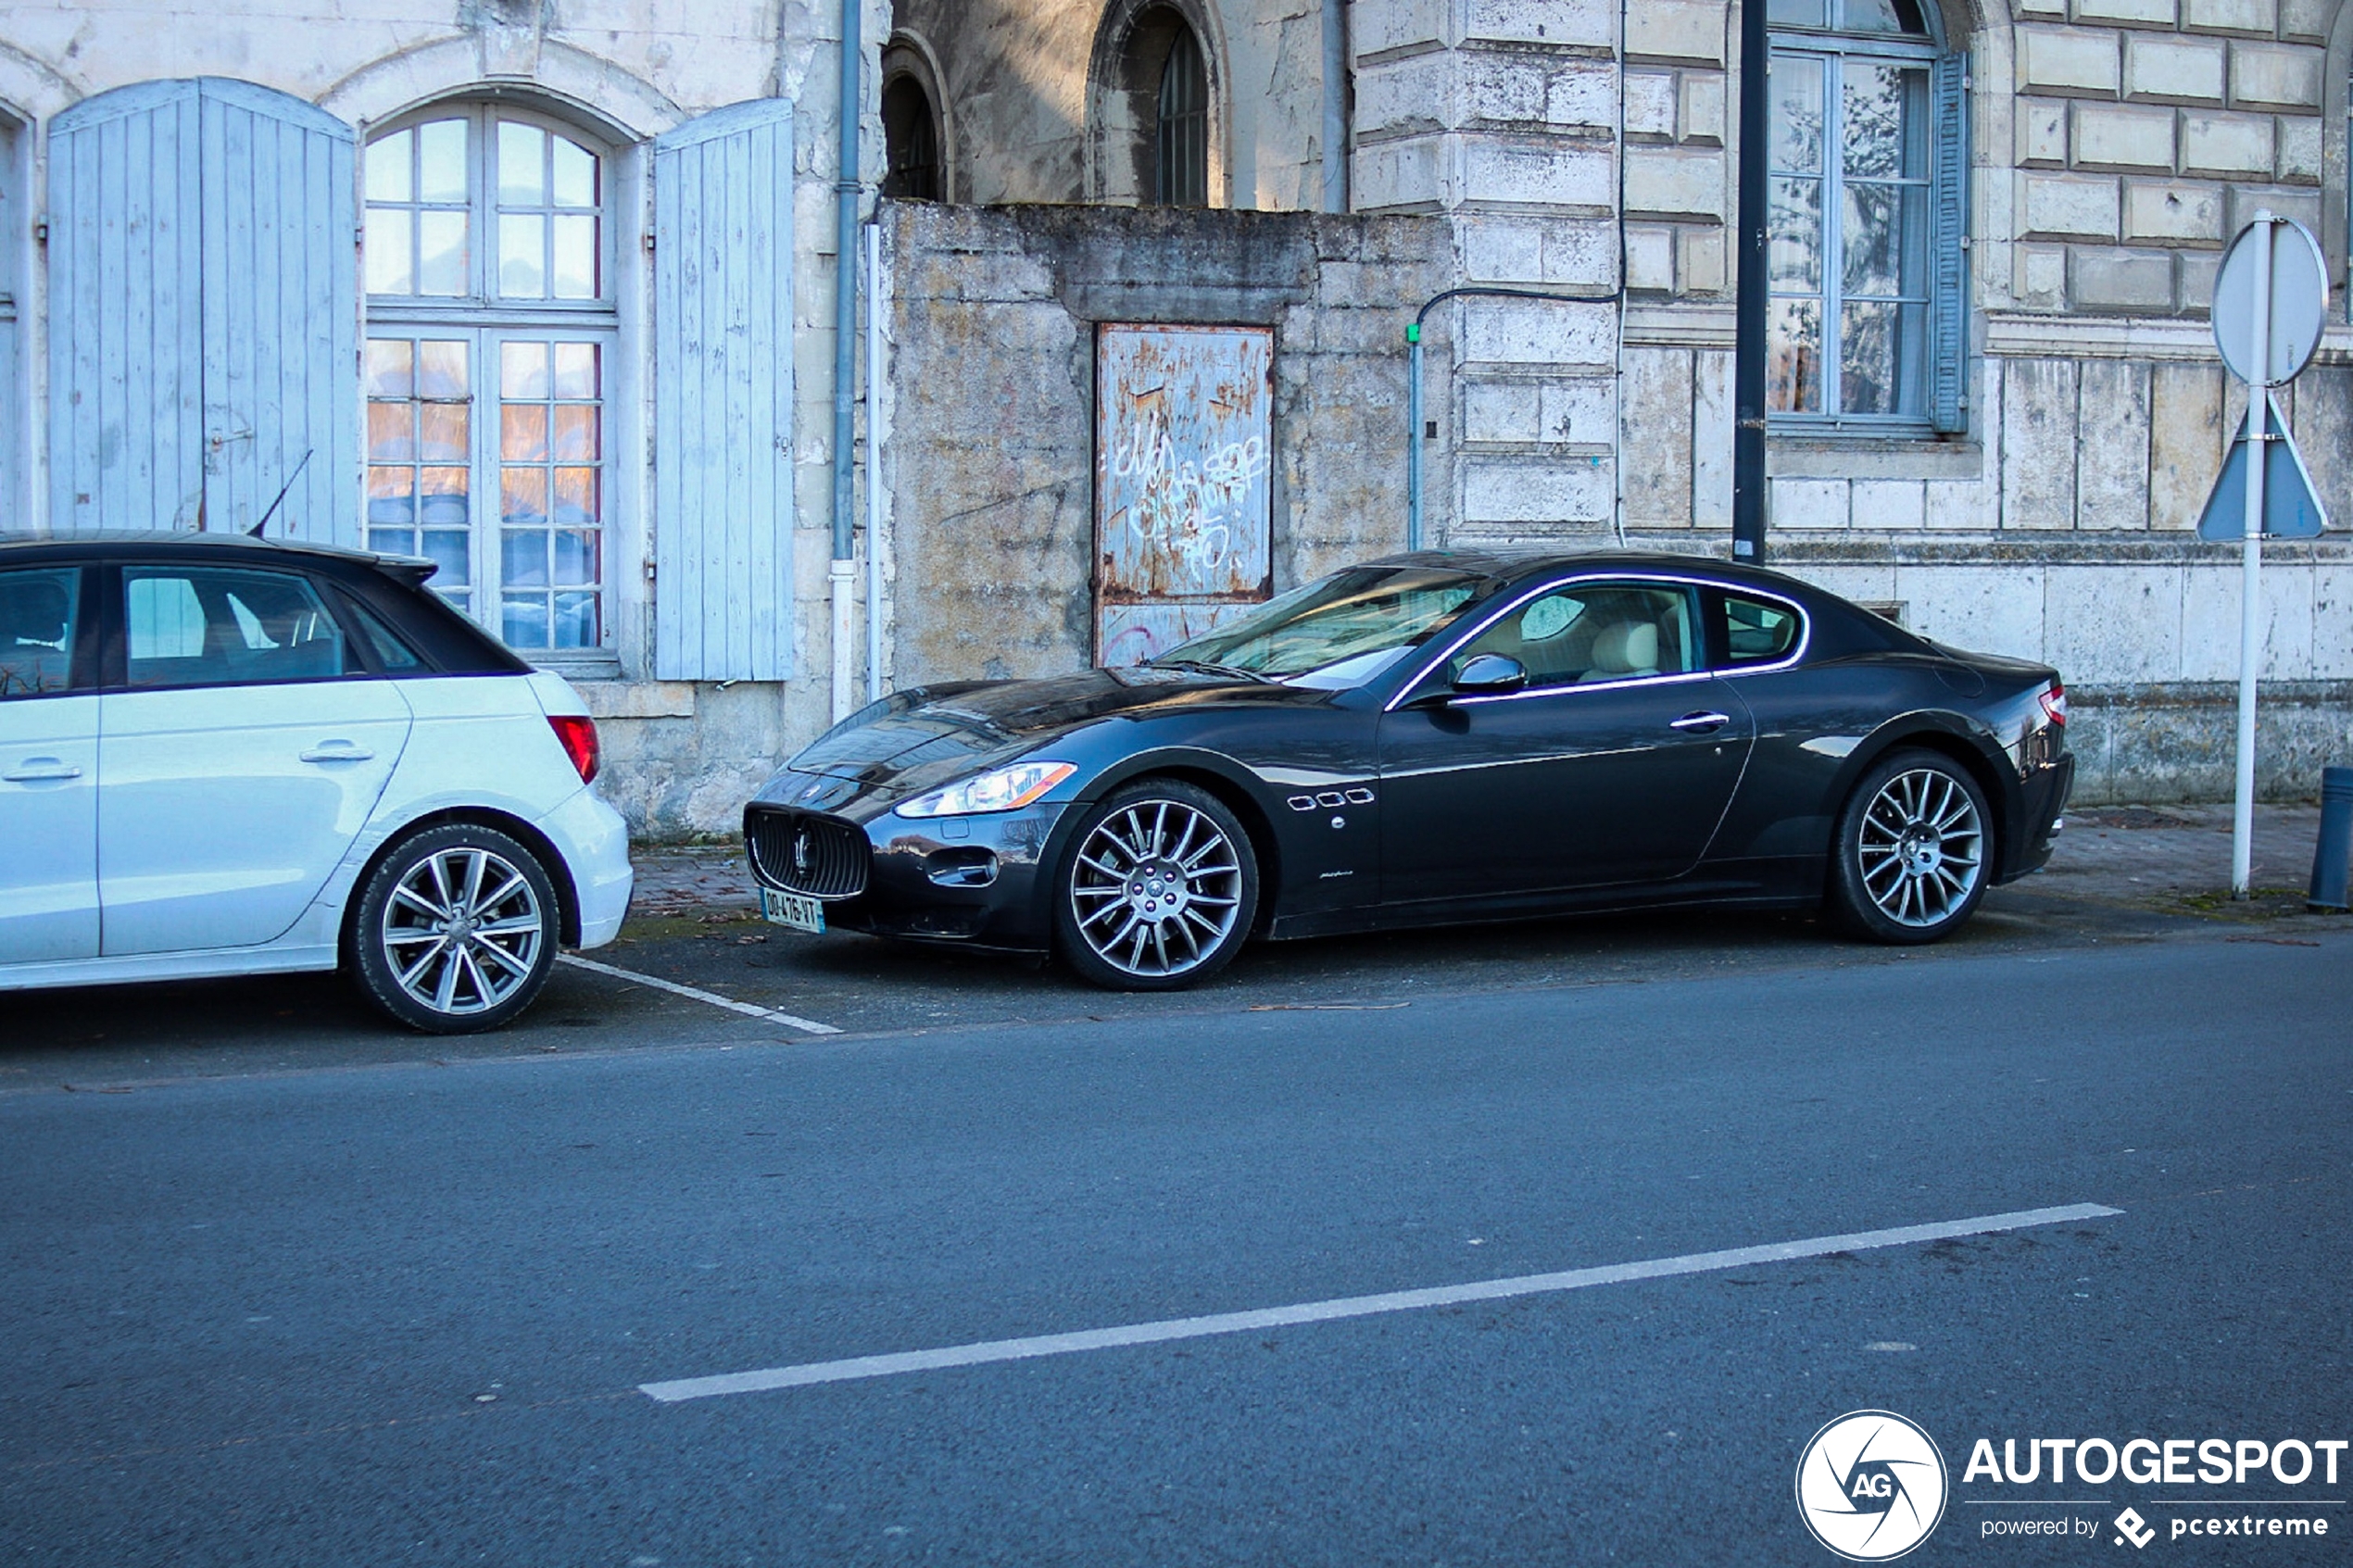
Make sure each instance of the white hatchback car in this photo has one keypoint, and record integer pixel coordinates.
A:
(227, 756)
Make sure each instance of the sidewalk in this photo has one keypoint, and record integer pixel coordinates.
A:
(2171, 859)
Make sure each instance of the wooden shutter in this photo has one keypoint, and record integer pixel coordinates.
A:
(1949, 258)
(723, 395)
(126, 357)
(203, 311)
(281, 314)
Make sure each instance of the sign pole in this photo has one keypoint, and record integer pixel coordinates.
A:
(2258, 396)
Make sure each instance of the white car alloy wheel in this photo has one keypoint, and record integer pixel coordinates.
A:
(1160, 890)
(463, 930)
(1914, 846)
(457, 929)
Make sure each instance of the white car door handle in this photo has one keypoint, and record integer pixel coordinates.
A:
(41, 769)
(338, 751)
(1701, 721)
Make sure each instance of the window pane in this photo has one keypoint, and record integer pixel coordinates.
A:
(443, 435)
(1793, 364)
(37, 612)
(575, 557)
(443, 499)
(576, 175)
(1883, 115)
(575, 257)
(575, 439)
(523, 255)
(575, 496)
(1883, 228)
(441, 370)
(1881, 358)
(447, 547)
(391, 436)
(1882, 15)
(576, 621)
(522, 165)
(524, 557)
(1795, 88)
(392, 367)
(522, 432)
(441, 161)
(388, 166)
(523, 496)
(392, 509)
(576, 371)
(524, 624)
(1795, 13)
(389, 246)
(1795, 252)
(441, 252)
(523, 370)
(1594, 632)
(1757, 632)
(207, 626)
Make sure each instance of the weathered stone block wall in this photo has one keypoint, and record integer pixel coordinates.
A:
(990, 456)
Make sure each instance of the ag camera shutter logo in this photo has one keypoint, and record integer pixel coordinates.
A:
(1871, 1486)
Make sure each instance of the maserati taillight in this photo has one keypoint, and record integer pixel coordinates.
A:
(2054, 697)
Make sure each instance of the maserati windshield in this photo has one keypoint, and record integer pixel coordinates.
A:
(1339, 631)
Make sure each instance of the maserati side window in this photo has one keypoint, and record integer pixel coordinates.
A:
(1590, 631)
(1757, 632)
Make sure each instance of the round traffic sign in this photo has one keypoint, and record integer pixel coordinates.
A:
(2298, 301)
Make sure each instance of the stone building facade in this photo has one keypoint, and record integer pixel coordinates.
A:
(581, 349)
(1997, 410)
(2032, 423)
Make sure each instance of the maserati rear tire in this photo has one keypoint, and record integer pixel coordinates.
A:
(1913, 849)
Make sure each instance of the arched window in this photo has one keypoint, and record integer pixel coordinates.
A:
(911, 139)
(1181, 169)
(491, 326)
(1866, 266)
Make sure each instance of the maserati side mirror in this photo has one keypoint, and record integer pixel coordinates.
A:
(1491, 672)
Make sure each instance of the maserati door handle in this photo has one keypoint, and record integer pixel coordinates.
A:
(338, 751)
(1701, 723)
(42, 770)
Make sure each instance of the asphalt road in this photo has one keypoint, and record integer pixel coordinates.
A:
(342, 1310)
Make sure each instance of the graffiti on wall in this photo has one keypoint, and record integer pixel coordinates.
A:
(1183, 504)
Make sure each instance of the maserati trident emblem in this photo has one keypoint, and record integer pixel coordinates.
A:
(800, 850)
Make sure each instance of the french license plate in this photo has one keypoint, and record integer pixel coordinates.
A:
(792, 909)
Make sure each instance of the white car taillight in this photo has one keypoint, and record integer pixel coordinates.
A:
(2054, 699)
(577, 734)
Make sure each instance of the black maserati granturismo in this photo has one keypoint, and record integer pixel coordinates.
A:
(1432, 738)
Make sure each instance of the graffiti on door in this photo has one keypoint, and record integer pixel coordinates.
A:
(1183, 507)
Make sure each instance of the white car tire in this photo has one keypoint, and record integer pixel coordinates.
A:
(454, 930)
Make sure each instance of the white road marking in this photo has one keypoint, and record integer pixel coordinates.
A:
(1351, 1305)
(806, 1025)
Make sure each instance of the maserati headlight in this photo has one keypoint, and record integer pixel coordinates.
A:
(999, 789)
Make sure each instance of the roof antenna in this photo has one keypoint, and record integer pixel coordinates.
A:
(255, 531)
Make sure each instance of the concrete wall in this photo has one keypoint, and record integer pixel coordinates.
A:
(990, 453)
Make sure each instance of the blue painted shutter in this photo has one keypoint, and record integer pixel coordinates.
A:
(281, 314)
(1948, 306)
(126, 361)
(203, 311)
(722, 395)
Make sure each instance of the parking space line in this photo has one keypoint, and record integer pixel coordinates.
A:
(1353, 1306)
(806, 1025)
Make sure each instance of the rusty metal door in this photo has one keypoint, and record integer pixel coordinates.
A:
(1184, 514)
